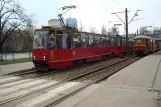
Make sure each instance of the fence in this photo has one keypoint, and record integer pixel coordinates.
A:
(14, 56)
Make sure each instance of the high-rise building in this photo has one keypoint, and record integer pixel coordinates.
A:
(72, 22)
(56, 22)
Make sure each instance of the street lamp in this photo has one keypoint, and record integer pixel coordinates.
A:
(117, 24)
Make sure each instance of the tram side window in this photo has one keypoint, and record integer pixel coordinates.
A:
(139, 42)
(123, 42)
(51, 43)
(119, 41)
(107, 41)
(103, 41)
(97, 41)
(112, 41)
(130, 43)
(115, 42)
(91, 41)
(76, 40)
(84, 40)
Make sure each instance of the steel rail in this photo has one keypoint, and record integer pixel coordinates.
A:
(60, 82)
(89, 84)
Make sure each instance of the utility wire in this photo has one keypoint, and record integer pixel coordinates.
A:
(117, 3)
(58, 2)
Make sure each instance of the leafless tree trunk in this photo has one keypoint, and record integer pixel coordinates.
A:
(104, 31)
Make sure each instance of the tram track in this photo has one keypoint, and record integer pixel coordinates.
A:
(105, 70)
(67, 74)
(20, 72)
(61, 82)
(33, 73)
(93, 82)
(61, 73)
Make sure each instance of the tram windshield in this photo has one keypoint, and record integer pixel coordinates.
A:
(139, 42)
(40, 39)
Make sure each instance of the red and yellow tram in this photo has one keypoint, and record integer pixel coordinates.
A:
(145, 45)
(57, 48)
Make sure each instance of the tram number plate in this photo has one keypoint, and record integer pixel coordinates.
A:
(98, 52)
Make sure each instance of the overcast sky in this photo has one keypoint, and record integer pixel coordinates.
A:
(95, 13)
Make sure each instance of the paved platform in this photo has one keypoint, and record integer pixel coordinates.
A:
(4, 69)
(127, 88)
(133, 86)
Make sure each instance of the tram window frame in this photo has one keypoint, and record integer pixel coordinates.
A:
(108, 41)
(84, 39)
(112, 41)
(115, 42)
(78, 45)
(44, 39)
(62, 42)
(142, 41)
(97, 40)
(91, 40)
(119, 39)
(102, 41)
(123, 42)
(49, 42)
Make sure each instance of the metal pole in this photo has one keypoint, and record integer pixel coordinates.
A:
(126, 18)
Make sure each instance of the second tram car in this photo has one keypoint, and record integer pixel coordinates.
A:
(145, 45)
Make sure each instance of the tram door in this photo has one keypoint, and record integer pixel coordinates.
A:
(146, 44)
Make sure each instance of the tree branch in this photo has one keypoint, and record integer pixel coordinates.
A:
(2, 5)
(6, 20)
(9, 11)
(10, 31)
(12, 17)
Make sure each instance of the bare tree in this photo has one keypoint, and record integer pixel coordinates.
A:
(113, 31)
(12, 17)
(104, 31)
(145, 31)
(156, 32)
(81, 28)
(92, 30)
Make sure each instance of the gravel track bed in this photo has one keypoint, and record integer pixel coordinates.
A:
(67, 74)
(32, 75)
(105, 72)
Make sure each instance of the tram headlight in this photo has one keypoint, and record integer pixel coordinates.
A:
(34, 57)
(44, 57)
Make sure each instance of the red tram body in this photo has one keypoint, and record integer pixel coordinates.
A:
(57, 48)
(66, 57)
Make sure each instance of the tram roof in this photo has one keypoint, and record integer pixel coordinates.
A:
(143, 37)
(158, 39)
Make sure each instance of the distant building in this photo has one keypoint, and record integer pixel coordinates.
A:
(56, 22)
(72, 22)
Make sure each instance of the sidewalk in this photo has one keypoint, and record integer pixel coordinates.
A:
(4, 69)
(127, 88)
